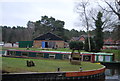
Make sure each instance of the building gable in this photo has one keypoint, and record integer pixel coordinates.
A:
(48, 36)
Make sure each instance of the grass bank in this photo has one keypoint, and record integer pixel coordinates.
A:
(39, 49)
(44, 65)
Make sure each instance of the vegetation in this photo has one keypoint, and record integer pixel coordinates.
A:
(15, 34)
(48, 25)
(77, 45)
(86, 46)
(43, 65)
(34, 29)
(99, 32)
(115, 8)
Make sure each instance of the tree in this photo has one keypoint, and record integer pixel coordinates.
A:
(86, 48)
(81, 8)
(99, 32)
(76, 45)
(74, 33)
(115, 8)
(15, 34)
(102, 22)
(47, 24)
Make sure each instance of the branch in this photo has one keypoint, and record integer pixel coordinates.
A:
(112, 8)
(104, 8)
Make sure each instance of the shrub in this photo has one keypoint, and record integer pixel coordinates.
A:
(77, 45)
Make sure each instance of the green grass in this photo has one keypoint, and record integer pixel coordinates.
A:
(38, 49)
(43, 65)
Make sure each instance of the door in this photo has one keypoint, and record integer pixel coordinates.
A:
(46, 44)
(43, 44)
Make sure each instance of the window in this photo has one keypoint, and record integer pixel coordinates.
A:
(51, 55)
(24, 54)
(40, 55)
(86, 58)
(66, 56)
(11, 52)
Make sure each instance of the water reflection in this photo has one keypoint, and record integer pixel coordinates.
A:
(112, 73)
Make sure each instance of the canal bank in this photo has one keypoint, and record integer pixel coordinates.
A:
(47, 76)
(112, 73)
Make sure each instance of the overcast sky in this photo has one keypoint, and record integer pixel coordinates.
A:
(19, 12)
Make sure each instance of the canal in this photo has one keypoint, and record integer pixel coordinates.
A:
(112, 73)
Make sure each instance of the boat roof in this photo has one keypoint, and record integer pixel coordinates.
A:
(61, 52)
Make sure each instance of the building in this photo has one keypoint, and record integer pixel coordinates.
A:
(111, 44)
(80, 38)
(48, 40)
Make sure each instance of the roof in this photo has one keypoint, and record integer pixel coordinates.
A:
(48, 36)
(111, 41)
(75, 38)
(80, 38)
(61, 52)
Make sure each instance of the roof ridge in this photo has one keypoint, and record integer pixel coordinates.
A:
(46, 35)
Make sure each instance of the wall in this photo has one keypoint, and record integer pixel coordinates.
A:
(38, 43)
(25, 44)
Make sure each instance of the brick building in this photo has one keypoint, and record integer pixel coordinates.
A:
(48, 40)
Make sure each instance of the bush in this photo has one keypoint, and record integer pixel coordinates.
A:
(77, 45)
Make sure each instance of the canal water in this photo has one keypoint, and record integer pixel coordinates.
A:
(112, 73)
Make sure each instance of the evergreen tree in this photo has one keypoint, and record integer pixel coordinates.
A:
(47, 24)
(99, 32)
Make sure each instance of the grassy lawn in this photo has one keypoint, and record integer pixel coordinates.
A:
(38, 49)
(43, 65)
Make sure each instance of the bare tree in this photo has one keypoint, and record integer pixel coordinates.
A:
(114, 8)
(108, 18)
(81, 9)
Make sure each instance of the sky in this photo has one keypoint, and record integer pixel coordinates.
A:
(19, 12)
